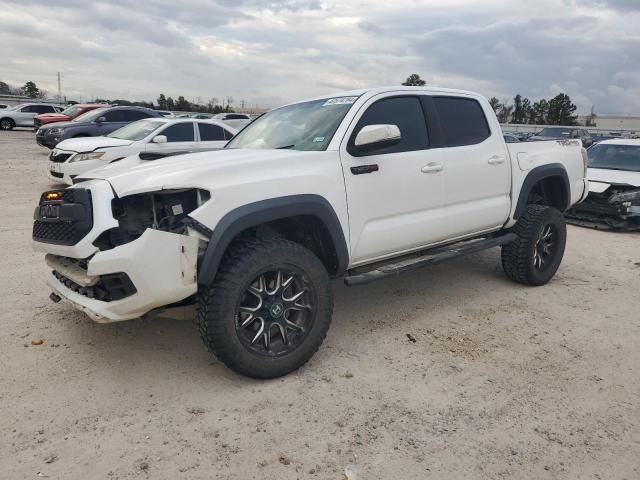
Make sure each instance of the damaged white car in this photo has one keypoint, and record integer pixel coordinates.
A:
(613, 202)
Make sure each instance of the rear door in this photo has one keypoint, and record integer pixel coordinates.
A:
(211, 137)
(476, 166)
(180, 139)
(395, 193)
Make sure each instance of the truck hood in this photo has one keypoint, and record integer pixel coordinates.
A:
(202, 170)
(89, 144)
(600, 179)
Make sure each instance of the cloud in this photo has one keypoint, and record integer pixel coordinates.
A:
(274, 51)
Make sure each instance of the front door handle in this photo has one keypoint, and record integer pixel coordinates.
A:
(496, 160)
(432, 167)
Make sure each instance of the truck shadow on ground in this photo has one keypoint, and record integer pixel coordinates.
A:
(167, 349)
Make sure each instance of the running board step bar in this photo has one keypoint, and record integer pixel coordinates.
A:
(429, 258)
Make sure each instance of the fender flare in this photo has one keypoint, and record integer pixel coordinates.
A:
(257, 213)
(540, 173)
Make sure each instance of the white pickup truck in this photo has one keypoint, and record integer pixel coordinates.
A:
(361, 185)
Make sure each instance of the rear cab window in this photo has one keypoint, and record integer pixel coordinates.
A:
(462, 121)
(210, 133)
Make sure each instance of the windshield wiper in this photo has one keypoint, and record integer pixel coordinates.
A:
(286, 147)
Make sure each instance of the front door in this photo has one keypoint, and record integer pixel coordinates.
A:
(395, 193)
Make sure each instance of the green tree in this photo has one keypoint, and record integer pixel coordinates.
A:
(30, 90)
(561, 110)
(540, 112)
(526, 108)
(183, 105)
(495, 104)
(170, 104)
(414, 80)
(505, 112)
(5, 89)
(518, 113)
(162, 102)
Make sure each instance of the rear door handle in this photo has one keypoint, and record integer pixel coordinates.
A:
(496, 160)
(432, 167)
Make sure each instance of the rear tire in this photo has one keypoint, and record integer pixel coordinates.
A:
(534, 257)
(7, 124)
(269, 308)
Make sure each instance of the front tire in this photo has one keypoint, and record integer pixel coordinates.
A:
(534, 257)
(7, 124)
(269, 308)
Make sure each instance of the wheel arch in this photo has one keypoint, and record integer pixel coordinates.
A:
(273, 213)
(553, 181)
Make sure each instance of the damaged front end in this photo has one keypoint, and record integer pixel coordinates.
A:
(121, 258)
(616, 207)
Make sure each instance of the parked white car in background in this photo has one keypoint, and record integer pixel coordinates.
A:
(236, 120)
(22, 115)
(155, 135)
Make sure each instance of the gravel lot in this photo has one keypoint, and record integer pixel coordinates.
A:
(448, 372)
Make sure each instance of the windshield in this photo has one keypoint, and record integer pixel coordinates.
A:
(137, 130)
(555, 132)
(615, 157)
(90, 116)
(307, 126)
(71, 111)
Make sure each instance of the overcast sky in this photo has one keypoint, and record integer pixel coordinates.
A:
(271, 52)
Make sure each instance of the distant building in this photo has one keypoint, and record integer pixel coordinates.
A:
(13, 100)
(617, 122)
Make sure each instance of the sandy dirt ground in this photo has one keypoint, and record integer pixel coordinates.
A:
(502, 381)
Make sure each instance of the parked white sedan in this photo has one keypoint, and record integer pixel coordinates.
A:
(74, 156)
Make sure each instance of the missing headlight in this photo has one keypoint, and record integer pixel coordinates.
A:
(166, 210)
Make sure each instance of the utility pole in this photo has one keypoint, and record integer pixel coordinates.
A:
(59, 88)
(242, 104)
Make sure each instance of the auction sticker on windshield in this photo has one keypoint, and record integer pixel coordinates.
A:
(340, 101)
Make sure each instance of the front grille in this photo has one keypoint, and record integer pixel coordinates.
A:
(65, 220)
(59, 158)
(57, 174)
(111, 287)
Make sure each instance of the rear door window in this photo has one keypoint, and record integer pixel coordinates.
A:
(210, 133)
(180, 132)
(462, 121)
(133, 115)
(115, 116)
(406, 113)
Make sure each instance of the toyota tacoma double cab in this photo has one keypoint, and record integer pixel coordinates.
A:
(361, 185)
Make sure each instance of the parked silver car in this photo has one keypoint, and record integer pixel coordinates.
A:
(22, 115)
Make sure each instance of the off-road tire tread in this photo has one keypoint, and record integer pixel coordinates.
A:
(239, 258)
(515, 256)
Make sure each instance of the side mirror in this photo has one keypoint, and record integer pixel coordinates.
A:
(378, 135)
(101, 119)
(159, 139)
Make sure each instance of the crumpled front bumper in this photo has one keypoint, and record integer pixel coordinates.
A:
(596, 212)
(162, 266)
